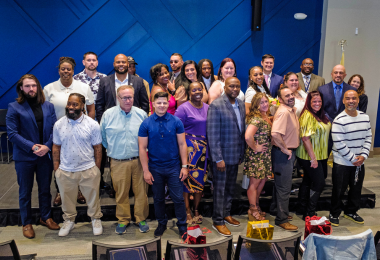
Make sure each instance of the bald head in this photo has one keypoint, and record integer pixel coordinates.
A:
(338, 74)
(120, 64)
(307, 66)
(232, 87)
(121, 56)
(351, 100)
(350, 93)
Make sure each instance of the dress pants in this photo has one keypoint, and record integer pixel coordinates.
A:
(123, 173)
(88, 182)
(283, 170)
(224, 191)
(314, 178)
(43, 167)
(342, 177)
(169, 176)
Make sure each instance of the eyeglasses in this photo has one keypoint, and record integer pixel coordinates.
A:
(125, 98)
(308, 64)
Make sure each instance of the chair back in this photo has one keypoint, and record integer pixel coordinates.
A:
(220, 250)
(3, 114)
(278, 249)
(149, 250)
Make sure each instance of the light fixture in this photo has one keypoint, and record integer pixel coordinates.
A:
(300, 16)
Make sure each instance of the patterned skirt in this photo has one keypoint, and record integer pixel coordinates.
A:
(197, 158)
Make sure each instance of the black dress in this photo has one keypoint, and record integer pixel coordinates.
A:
(363, 103)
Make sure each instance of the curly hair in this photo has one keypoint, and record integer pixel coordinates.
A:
(68, 60)
(155, 71)
(361, 87)
(255, 105)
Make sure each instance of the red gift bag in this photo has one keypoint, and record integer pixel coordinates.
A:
(322, 229)
(195, 235)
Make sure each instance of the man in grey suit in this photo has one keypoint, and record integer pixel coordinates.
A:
(225, 133)
(307, 80)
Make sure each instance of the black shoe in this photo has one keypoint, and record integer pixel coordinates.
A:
(183, 234)
(355, 218)
(104, 185)
(111, 193)
(334, 221)
(159, 230)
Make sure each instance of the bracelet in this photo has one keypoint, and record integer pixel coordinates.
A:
(313, 160)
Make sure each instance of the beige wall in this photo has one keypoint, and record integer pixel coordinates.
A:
(362, 53)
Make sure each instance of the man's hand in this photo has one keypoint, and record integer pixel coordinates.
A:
(288, 152)
(221, 166)
(171, 85)
(42, 149)
(184, 173)
(148, 177)
(359, 160)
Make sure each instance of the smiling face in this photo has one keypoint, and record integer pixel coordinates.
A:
(232, 87)
(287, 97)
(351, 100)
(307, 66)
(316, 103)
(29, 87)
(228, 70)
(355, 82)
(90, 62)
(206, 69)
(163, 78)
(190, 72)
(74, 107)
(267, 65)
(338, 74)
(264, 104)
(257, 76)
(161, 105)
(196, 92)
(120, 64)
(66, 71)
(292, 83)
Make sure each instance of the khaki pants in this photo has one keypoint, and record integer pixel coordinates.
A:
(122, 174)
(88, 182)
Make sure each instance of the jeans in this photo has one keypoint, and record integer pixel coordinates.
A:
(170, 176)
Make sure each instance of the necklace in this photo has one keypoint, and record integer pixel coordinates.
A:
(164, 88)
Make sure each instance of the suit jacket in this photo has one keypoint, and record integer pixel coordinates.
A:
(177, 81)
(329, 99)
(106, 97)
(225, 140)
(315, 82)
(275, 82)
(23, 132)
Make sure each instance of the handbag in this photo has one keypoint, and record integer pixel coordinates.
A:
(195, 235)
(318, 225)
(260, 230)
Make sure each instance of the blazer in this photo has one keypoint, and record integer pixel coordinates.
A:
(315, 82)
(225, 140)
(23, 132)
(177, 81)
(275, 82)
(329, 99)
(106, 97)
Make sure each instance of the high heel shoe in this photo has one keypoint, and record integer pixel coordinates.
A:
(190, 222)
(198, 219)
(262, 213)
(254, 214)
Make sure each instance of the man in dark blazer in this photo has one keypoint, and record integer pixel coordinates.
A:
(106, 97)
(226, 141)
(273, 81)
(306, 77)
(30, 122)
(333, 93)
(176, 62)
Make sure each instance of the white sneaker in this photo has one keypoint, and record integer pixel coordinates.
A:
(66, 228)
(97, 227)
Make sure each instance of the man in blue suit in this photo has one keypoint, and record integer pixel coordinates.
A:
(30, 122)
(272, 80)
(333, 93)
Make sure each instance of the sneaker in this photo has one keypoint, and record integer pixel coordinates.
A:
(159, 230)
(97, 227)
(355, 218)
(183, 234)
(334, 221)
(143, 227)
(121, 229)
(66, 228)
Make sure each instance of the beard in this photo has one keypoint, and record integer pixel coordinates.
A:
(28, 96)
(74, 115)
(121, 72)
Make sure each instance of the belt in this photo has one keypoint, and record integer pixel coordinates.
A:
(129, 159)
(278, 148)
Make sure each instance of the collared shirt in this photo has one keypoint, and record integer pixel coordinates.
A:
(162, 139)
(175, 75)
(120, 132)
(285, 122)
(335, 87)
(207, 82)
(118, 84)
(237, 112)
(57, 94)
(77, 138)
(269, 80)
(337, 102)
(304, 77)
(93, 83)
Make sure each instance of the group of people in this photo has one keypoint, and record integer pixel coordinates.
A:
(192, 123)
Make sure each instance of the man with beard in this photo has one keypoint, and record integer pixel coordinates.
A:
(30, 123)
(225, 134)
(307, 80)
(285, 134)
(77, 155)
(352, 136)
(176, 62)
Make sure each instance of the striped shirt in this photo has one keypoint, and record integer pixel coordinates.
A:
(352, 137)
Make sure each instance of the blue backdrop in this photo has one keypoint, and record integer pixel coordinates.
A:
(36, 33)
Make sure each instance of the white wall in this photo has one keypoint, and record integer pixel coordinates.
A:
(362, 53)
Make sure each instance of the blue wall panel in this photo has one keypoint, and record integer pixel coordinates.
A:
(37, 33)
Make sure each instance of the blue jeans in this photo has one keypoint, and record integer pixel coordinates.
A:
(43, 167)
(171, 177)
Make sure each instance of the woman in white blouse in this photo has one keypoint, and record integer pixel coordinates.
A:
(256, 84)
(291, 81)
(58, 91)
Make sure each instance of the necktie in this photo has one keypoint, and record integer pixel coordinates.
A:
(338, 95)
(307, 83)
(266, 80)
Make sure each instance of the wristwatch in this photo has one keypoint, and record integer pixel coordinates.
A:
(184, 166)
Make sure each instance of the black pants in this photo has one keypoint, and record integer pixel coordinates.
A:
(314, 178)
(342, 177)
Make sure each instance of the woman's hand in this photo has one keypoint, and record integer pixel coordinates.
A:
(260, 148)
(314, 164)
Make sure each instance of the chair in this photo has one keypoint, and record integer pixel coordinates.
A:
(9, 251)
(3, 114)
(276, 249)
(149, 250)
(219, 250)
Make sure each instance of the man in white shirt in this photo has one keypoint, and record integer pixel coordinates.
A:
(272, 80)
(307, 80)
(77, 155)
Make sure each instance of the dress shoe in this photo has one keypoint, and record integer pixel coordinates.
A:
(287, 226)
(111, 193)
(222, 230)
(50, 224)
(57, 200)
(290, 218)
(231, 221)
(28, 231)
(80, 198)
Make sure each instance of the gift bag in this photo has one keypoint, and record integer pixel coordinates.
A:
(245, 182)
(260, 230)
(195, 235)
(318, 225)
